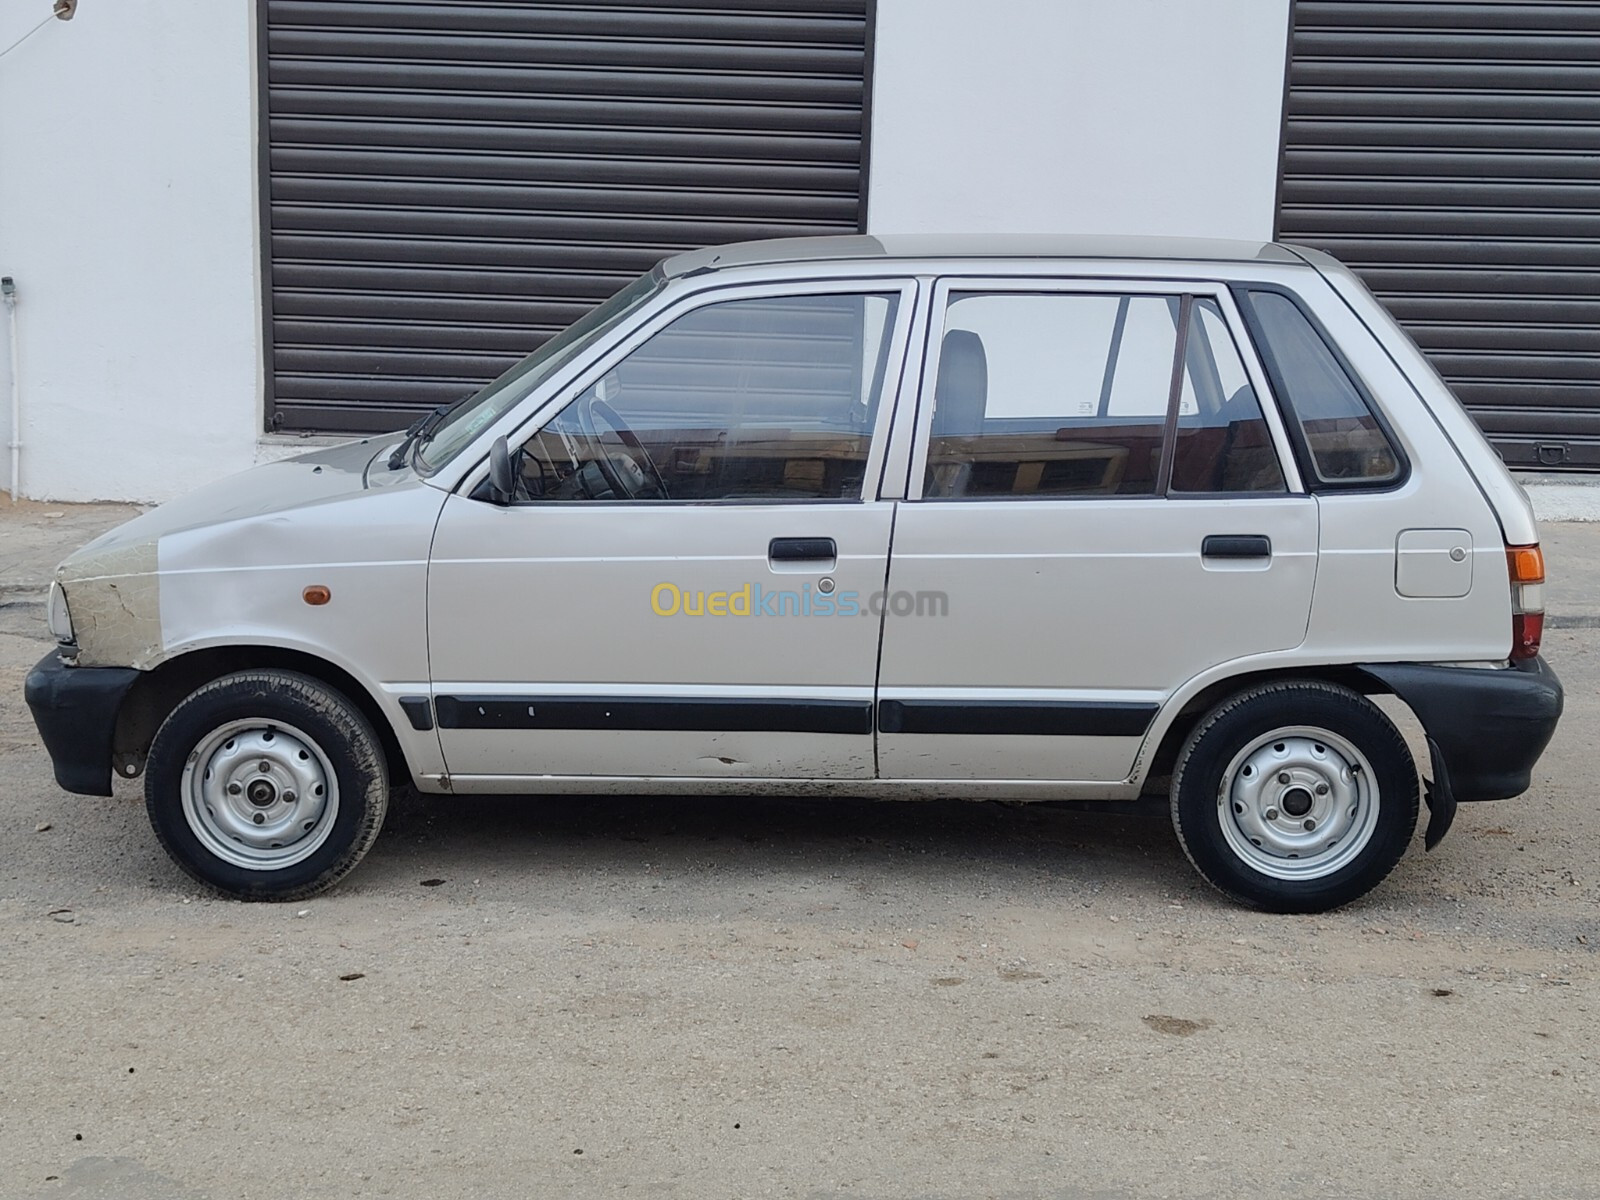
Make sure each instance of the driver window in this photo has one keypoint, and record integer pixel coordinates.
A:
(763, 400)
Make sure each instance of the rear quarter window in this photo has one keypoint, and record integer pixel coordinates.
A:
(1336, 430)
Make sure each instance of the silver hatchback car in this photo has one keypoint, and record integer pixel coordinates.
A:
(1030, 519)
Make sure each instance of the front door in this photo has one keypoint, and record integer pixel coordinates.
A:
(1103, 513)
(674, 590)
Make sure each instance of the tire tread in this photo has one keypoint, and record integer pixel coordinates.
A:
(1318, 896)
(360, 742)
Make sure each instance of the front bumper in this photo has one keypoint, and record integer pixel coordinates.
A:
(75, 709)
(1486, 728)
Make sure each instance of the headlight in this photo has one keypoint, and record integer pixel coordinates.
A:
(60, 618)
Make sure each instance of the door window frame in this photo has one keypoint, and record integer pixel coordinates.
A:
(553, 397)
(920, 423)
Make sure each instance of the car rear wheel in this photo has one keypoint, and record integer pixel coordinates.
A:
(1295, 796)
(266, 785)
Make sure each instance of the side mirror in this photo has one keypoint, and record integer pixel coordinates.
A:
(502, 481)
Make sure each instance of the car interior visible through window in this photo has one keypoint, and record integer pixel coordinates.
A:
(754, 400)
(1068, 394)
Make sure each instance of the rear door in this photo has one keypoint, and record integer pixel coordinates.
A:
(1099, 509)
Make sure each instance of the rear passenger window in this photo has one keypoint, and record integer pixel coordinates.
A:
(1335, 426)
(1223, 444)
(1061, 394)
(1029, 399)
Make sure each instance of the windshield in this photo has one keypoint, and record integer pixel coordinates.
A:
(495, 399)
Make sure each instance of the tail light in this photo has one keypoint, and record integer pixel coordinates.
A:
(1526, 565)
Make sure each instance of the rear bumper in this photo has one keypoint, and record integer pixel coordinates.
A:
(1487, 727)
(75, 709)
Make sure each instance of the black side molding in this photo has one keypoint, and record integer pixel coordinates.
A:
(418, 711)
(1065, 718)
(732, 715)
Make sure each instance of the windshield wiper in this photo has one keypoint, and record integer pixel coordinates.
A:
(418, 432)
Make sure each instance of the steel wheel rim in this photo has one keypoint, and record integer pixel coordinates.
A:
(260, 794)
(1298, 803)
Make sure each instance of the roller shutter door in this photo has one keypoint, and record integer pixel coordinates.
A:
(1450, 153)
(449, 183)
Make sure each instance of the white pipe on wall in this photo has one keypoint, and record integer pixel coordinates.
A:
(9, 288)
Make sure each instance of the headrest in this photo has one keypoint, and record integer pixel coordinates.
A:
(961, 392)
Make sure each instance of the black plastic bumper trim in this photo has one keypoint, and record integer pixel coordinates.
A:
(1488, 727)
(1027, 718)
(733, 715)
(75, 709)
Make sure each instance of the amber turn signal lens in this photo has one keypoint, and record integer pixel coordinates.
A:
(316, 594)
(1527, 564)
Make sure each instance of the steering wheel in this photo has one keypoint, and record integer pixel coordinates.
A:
(625, 477)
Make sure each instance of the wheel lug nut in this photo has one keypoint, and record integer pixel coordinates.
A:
(266, 767)
(288, 797)
(1322, 789)
(234, 789)
(259, 819)
(1272, 814)
(1310, 825)
(1283, 777)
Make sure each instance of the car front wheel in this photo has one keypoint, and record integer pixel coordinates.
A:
(1295, 796)
(266, 785)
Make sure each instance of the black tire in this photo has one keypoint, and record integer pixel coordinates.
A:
(1295, 797)
(303, 768)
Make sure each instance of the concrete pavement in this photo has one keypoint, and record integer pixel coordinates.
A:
(35, 536)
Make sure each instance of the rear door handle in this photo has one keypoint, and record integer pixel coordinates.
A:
(802, 550)
(1236, 545)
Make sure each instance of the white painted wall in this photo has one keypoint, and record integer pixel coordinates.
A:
(127, 216)
(1077, 116)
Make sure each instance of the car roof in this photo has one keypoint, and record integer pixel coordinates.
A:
(923, 246)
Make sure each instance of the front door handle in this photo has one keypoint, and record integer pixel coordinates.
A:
(802, 550)
(1236, 545)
